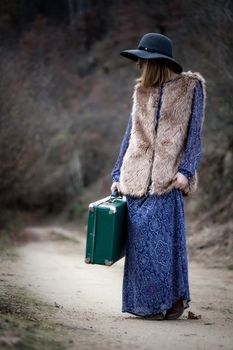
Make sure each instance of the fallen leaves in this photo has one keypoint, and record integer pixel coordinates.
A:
(192, 316)
(57, 305)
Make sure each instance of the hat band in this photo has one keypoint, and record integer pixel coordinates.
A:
(152, 50)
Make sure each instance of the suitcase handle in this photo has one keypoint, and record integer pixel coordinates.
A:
(115, 194)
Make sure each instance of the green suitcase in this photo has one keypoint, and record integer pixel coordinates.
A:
(106, 230)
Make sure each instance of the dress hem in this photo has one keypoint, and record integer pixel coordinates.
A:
(185, 303)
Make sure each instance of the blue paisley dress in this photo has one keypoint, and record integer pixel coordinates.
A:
(156, 263)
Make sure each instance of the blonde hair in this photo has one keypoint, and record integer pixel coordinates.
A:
(153, 72)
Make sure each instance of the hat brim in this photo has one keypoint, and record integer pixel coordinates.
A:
(136, 54)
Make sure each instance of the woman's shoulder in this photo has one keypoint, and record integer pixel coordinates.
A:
(199, 84)
(197, 76)
(140, 92)
(195, 80)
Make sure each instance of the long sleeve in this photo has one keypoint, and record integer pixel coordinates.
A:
(115, 174)
(192, 150)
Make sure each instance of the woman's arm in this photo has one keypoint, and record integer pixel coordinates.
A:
(192, 151)
(115, 174)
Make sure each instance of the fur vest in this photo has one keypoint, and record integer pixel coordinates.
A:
(155, 154)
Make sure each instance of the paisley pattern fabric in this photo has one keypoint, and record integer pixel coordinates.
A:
(156, 263)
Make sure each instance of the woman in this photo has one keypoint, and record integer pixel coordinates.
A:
(157, 166)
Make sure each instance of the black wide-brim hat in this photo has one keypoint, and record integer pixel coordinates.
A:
(154, 46)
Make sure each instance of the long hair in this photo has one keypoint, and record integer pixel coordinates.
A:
(154, 72)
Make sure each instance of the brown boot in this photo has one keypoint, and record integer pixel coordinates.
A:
(175, 311)
(158, 317)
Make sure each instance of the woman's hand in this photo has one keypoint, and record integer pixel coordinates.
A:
(115, 186)
(180, 181)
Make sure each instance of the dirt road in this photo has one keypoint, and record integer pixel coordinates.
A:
(88, 299)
